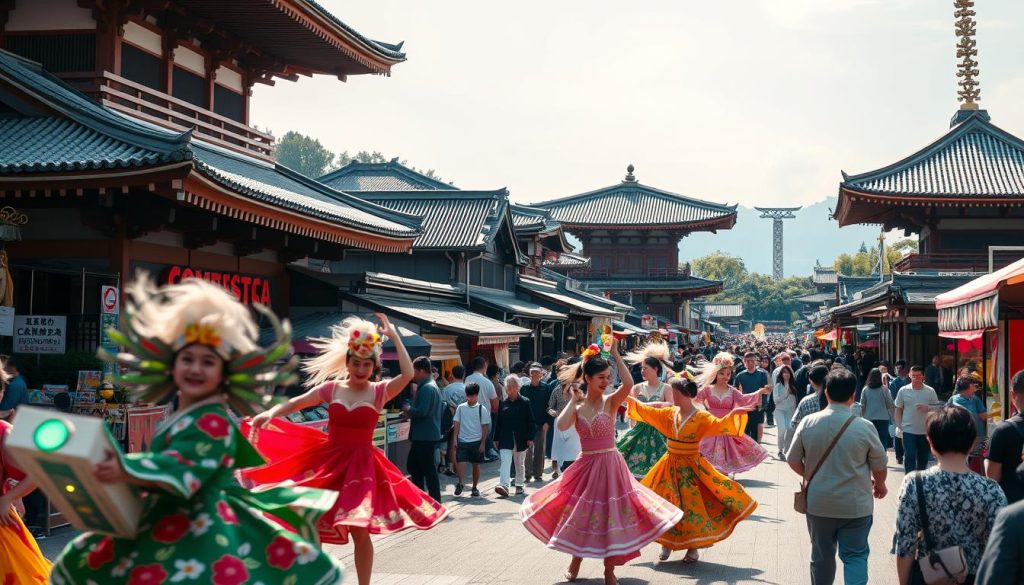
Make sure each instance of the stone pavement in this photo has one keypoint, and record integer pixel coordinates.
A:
(482, 542)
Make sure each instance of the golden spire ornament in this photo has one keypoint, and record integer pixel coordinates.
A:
(966, 51)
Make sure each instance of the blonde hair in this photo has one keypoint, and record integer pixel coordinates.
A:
(709, 370)
(656, 349)
(332, 361)
(166, 313)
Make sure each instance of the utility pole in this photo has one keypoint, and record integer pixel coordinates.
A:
(777, 214)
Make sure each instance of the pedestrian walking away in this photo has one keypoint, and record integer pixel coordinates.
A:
(843, 465)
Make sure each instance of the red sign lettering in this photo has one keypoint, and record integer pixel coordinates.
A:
(248, 289)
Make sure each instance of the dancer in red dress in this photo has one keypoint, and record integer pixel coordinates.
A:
(374, 496)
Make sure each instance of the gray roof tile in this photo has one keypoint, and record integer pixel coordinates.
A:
(447, 317)
(464, 220)
(389, 176)
(632, 203)
(974, 159)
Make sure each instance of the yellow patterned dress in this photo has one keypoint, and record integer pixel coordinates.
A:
(712, 503)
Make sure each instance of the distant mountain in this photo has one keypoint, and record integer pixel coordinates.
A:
(811, 236)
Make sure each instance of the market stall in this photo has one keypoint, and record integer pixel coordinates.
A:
(984, 319)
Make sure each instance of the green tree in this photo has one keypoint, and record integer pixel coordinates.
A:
(762, 297)
(865, 261)
(303, 154)
(721, 266)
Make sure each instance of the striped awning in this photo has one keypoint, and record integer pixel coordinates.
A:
(442, 347)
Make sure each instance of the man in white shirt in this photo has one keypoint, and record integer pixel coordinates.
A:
(913, 402)
(472, 425)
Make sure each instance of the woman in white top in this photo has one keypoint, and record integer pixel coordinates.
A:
(784, 394)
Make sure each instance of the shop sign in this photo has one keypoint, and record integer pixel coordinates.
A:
(40, 333)
(7, 321)
(247, 288)
(109, 300)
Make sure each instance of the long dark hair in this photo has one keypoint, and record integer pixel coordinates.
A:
(589, 367)
(685, 387)
(874, 379)
(654, 363)
(779, 379)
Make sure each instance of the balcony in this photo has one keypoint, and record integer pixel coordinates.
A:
(144, 103)
(956, 262)
(651, 274)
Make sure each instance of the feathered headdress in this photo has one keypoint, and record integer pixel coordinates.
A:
(352, 337)
(159, 322)
(709, 370)
(656, 349)
(571, 373)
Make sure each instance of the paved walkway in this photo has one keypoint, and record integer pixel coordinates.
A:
(482, 542)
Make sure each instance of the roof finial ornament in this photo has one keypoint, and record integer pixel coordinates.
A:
(630, 178)
(966, 51)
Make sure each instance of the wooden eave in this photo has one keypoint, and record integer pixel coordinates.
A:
(202, 192)
(858, 207)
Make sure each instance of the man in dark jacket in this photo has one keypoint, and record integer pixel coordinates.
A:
(538, 393)
(424, 429)
(514, 433)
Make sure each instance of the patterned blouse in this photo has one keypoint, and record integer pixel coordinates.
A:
(961, 507)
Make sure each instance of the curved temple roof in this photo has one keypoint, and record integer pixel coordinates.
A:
(639, 206)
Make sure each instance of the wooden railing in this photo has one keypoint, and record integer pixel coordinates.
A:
(956, 262)
(145, 103)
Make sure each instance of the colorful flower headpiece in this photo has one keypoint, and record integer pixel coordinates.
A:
(592, 350)
(722, 362)
(203, 334)
(683, 375)
(364, 346)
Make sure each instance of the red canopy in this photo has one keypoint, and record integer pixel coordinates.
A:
(983, 286)
(869, 343)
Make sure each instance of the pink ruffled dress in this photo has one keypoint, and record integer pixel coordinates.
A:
(730, 454)
(596, 509)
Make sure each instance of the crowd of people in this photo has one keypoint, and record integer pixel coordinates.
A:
(275, 490)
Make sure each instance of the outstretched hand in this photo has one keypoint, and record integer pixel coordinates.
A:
(740, 410)
(386, 328)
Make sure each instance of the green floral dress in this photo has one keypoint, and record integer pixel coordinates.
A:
(643, 445)
(205, 528)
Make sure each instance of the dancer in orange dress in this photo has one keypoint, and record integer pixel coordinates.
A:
(21, 562)
(374, 496)
(713, 504)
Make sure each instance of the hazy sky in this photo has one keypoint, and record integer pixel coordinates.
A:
(750, 101)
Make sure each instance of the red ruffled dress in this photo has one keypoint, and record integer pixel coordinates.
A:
(372, 492)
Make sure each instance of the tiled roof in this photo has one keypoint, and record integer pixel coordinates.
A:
(554, 293)
(452, 220)
(915, 289)
(824, 276)
(442, 316)
(50, 144)
(974, 159)
(722, 310)
(817, 298)
(624, 284)
(573, 286)
(568, 260)
(533, 219)
(84, 135)
(513, 306)
(389, 176)
(632, 203)
(285, 188)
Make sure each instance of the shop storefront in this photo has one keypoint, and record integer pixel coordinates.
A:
(984, 321)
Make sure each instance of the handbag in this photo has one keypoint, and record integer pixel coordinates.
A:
(800, 497)
(947, 566)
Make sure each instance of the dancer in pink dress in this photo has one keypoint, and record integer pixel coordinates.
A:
(728, 454)
(597, 509)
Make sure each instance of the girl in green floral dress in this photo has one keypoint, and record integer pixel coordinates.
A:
(643, 445)
(195, 341)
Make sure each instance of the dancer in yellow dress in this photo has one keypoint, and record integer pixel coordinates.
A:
(21, 563)
(712, 503)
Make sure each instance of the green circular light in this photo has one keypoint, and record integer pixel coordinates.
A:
(51, 435)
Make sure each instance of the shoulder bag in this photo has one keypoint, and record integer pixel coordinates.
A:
(800, 497)
(939, 567)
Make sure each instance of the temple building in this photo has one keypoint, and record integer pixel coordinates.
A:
(630, 233)
(126, 144)
(963, 197)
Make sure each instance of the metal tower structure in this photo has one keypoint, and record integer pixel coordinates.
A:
(777, 214)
